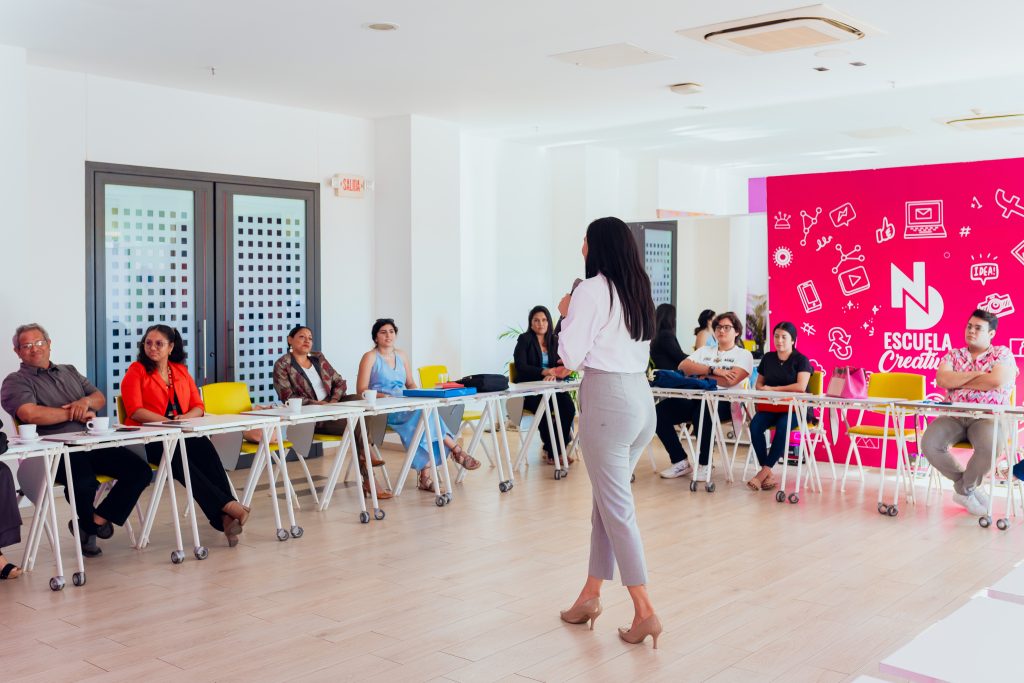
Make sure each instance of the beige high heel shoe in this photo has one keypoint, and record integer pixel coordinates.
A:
(651, 626)
(589, 610)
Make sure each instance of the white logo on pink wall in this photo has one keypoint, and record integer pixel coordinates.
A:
(923, 303)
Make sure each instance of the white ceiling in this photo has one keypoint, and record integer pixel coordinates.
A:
(486, 65)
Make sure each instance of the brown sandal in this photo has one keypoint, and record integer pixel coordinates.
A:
(463, 459)
(381, 495)
(769, 483)
(758, 480)
(425, 483)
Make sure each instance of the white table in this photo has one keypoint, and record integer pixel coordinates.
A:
(547, 391)
(428, 415)
(493, 415)
(46, 510)
(313, 413)
(975, 644)
(71, 443)
(209, 425)
(709, 403)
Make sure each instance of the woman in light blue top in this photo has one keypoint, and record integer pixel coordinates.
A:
(705, 335)
(387, 369)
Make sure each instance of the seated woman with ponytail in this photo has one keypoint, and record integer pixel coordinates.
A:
(158, 387)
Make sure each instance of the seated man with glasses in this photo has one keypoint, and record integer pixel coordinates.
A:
(59, 399)
(977, 373)
(729, 364)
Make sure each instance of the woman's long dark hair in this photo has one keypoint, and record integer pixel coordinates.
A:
(612, 252)
(549, 336)
(706, 316)
(665, 317)
(171, 335)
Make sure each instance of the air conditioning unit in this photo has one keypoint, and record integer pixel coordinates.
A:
(988, 122)
(797, 29)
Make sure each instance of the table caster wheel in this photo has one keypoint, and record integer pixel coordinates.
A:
(693, 487)
(439, 501)
(794, 498)
(202, 552)
(378, 514)
(296, 531)
(985, 521)
(282, 535)
(1002, 524)
(364, 517)
(78, 578)
(565, 472)
(883, 509)
(780, 497)
(57, 583)
(892, 511)
(447, 498)
(710, 487)
(632, 478)
(503, 486)
(558, 474)
(177, 557)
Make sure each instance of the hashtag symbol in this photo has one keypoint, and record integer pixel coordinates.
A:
(965, 231)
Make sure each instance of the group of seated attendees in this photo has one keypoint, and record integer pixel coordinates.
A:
(158, 386)
(536, 359)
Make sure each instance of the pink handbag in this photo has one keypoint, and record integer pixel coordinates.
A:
(848, 382)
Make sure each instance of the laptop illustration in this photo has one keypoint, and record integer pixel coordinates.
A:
(924, 220)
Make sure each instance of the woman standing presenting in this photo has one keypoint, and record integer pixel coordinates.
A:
(609, 322)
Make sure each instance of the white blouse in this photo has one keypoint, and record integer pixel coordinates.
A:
(318, 384)
(594, 333)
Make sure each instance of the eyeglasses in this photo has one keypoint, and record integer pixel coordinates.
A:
(724, 327)
(156, 343)
(38, 344)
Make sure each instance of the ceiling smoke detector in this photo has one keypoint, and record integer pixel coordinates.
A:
(686, 88)
(988, 122)
(610, 56)
(381, 26)
(796, 29)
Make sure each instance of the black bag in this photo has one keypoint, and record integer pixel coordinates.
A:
(485, 383)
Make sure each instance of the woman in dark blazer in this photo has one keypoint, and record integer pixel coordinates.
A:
(536, 359)
(666, 354)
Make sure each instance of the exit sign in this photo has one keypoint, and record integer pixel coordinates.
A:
(348, 185)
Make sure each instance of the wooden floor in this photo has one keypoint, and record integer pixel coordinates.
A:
(748, 590)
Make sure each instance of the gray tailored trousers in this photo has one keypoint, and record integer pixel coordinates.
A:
(616, 424)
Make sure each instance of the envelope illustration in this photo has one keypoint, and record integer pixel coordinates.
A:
(922, 213)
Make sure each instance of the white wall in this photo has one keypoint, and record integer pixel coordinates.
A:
(74, 117)
(701, 189)
(19, 247)
(507, 252)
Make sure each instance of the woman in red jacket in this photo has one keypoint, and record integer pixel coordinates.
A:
(157, 387)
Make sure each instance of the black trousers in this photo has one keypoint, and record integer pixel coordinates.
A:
(566, 410)
(10, 516)
(673, 411)
(211, 488)
(131, 472)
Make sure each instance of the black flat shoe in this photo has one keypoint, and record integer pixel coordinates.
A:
(90, 547)
(105, 530)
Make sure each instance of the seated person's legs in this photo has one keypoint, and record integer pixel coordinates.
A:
(942, 433)
(10, 522)
(981, 434)
(669, 413)
(724, 415)
(133, 476)
(532, 404)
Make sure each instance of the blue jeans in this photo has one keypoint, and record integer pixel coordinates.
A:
(761, 423)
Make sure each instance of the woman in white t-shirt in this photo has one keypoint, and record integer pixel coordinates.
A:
(729, 364)
(607, 330)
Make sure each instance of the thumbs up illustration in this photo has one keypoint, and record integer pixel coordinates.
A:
(886, 232)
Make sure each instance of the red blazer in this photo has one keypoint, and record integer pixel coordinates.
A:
(141, 389)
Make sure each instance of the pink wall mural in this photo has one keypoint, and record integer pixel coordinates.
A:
(880, 269)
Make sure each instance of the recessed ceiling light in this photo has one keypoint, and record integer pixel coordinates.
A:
(381, 26)
(820, 68)
(858, 64)
(686, 88)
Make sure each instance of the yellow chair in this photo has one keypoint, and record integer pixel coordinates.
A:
(429, 378)
(906, 386)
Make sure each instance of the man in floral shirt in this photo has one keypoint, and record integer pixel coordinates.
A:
(977, 373)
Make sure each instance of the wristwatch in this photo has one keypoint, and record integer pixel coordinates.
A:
(711, 372)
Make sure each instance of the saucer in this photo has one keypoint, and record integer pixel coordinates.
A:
(96, 432)
(20, 439)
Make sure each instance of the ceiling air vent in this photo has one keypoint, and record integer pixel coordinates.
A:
(991, 122)
(797, 29)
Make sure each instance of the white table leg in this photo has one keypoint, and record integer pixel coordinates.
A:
(378, 512)
(524, 445)
(198, 549)
(347, 442)
(289, 493)
(78, 578)
(410, 455)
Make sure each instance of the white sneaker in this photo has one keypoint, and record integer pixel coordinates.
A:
(970, 502)
(676, 470)
(981, 497)
(701, 474)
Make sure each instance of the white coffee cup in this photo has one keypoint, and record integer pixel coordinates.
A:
(370, 396)
(295, 405)
(98, 425)
(27, 431)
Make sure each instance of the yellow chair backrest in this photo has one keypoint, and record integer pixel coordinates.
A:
(226, 398)
(120, 409)
(749, 344)
(906, 385)
(429, 375)
(814, 384)
(512, 372)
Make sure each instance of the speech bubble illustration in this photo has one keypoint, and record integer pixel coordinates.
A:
(842, 215)
(984, 272)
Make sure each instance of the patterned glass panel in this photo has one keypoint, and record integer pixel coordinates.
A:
(269, 250)
(148, 239)
(658, 261)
